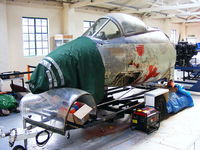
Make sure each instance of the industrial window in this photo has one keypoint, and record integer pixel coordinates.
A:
(35, 36)
(87, 25)
(173, 36)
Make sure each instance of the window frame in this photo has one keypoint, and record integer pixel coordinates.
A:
(103, 26)
(44, 37)
(92, 35)
(90, 24)
(173, 35)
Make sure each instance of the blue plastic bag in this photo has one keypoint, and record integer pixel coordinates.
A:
(179, 100)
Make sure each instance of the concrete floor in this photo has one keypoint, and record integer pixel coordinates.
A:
(179, 132)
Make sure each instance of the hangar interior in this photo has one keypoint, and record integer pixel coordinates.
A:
(32, 29)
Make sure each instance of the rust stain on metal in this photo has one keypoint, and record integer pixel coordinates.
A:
(134, 64)
(117, 51)
(103, 130)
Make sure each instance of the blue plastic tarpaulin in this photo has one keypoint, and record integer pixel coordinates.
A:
(179, 100)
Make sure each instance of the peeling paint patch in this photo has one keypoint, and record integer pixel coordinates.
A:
(134, 64)
(140, 49)
(152, 72)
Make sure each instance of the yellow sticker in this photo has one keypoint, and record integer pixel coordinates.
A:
(134, 121)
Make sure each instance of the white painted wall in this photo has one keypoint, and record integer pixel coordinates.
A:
(159, 23)
(11, 56)
(166, 25)
(4, 58)
(14, 24)
(185, 29)
(179, 31)
(193, 29)
(76, 18)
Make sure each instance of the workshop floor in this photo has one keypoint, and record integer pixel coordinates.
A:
(179, 132)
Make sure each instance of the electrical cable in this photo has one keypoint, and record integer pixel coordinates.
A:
(12, 141)
(18, 147)
(45, 141)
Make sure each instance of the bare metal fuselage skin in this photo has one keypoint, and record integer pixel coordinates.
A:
(136, 58)
(140, 58)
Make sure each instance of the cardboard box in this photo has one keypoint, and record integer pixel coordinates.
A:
(82, 114)
(79, 117)
(70, 117)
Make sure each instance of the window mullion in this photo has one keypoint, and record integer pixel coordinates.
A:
(48, 39)
(35, 37)
(42, 38)
(29, 40)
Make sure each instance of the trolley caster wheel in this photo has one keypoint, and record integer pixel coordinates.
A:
(18, 147)
(160, 105)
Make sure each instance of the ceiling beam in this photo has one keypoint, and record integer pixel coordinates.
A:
(162, 8)
(187, 21)
(155, 3)
(182, 6)
(88, 2)
(90, 9)
(177, 15)
(124, 4)
(121, 5)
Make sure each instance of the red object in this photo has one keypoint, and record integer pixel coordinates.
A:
(170, 84)
(79, 104)
(72, 111)
(152, 72)
(28, 70)
(145, 111)
(75, 107)
(140, 49)
(5, 92)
